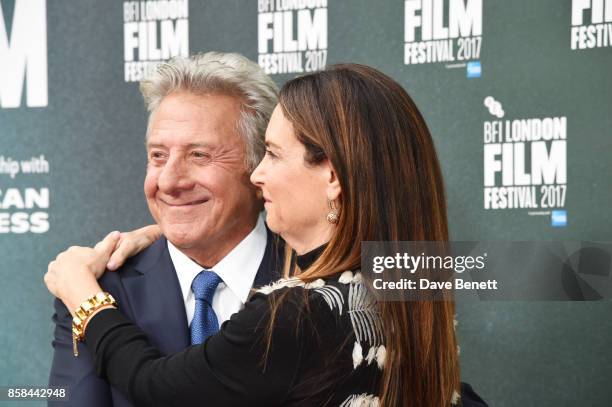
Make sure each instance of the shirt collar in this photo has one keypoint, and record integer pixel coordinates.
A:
(237, 269)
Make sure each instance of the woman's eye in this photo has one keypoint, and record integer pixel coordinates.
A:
(270, 154)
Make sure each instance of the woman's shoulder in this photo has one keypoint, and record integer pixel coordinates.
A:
(341, 301)
(318, 308)
(344, 279)
(335, 291)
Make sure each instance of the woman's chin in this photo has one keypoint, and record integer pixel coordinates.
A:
(272, 223)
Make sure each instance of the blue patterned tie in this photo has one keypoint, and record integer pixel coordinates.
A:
(204, 322)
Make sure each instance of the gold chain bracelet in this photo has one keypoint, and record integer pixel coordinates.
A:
(82, 314)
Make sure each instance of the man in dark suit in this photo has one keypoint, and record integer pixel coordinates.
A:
(208, 115)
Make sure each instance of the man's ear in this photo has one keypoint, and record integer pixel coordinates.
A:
(333, 189)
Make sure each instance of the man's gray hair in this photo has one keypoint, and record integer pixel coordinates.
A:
(224, 73)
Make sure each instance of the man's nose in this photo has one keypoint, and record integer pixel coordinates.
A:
(175, 176)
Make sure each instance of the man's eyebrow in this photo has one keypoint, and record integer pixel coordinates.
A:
(201, 145)
(189, 146)
(154, 145)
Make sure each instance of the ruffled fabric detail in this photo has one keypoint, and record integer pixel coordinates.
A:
(455, 398)
(361, 400)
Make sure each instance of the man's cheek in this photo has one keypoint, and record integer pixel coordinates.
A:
(150, 185)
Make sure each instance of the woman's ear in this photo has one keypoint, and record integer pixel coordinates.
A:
(333, 189)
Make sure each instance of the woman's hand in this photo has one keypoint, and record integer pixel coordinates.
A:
(132, 243)
(72, 276)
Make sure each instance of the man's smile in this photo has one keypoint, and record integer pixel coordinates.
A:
(183, 204)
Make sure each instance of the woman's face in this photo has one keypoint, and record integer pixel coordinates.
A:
(294, 191)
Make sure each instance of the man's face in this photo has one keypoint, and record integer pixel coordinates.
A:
(197, 186)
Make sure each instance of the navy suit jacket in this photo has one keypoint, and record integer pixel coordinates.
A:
(147, 291)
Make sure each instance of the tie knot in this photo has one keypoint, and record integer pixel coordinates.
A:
(204, 285)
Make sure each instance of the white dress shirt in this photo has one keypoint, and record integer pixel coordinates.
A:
(237, 270)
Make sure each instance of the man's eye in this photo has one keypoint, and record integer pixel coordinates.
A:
(201, 155)
(156, 155)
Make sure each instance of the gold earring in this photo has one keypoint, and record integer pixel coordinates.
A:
(333, 216)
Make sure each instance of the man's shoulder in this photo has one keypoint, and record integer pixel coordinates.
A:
(154, 256)
(149, 257)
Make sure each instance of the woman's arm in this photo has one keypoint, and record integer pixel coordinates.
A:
(229, 369)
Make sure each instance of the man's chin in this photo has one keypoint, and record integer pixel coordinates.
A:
(182, 238)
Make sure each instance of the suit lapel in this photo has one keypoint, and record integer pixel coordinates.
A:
(156, 300)
(271, 265)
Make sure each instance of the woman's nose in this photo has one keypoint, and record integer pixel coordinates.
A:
(257, 176)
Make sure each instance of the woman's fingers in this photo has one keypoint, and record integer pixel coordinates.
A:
(125, 248)
(107, 245)
(74, 269)
(132, 243)
(69, 265)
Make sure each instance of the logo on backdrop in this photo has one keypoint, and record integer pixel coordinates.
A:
(153, 31)
(23, 55)
(594, 31)
(525, 163)
(25, 209)
(443, 31)
(292, 35)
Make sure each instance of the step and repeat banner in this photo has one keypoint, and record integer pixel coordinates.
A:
(517, 94)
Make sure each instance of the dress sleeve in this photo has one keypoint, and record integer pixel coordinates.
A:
(229, 369)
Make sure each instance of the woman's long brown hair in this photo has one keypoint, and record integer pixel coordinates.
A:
(375, 138)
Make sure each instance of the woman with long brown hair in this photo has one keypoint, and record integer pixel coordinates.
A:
(349, 159)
